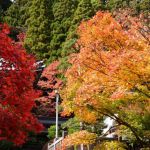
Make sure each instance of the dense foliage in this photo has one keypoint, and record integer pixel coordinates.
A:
(38, 33)
(18, 13)
(107, 57)
(108, 145)
(17, 95)
(48, 83)
(50, 25)
(63, 11)
(81, 137)
(137, 5)
(110, 76)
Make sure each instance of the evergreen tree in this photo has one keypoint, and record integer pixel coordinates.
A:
(143, 6)
(137, 5)
(115, 4)
(18, 13)
(96, 4)
(63, 11)
(84, 11)
(38, 33)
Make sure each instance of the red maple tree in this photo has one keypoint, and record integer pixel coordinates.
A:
(47, 84)
(17, 96)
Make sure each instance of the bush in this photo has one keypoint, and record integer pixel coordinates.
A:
(51, 132)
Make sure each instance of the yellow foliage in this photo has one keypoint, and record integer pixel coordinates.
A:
(113, 145)
(80, 137)
(112, 65)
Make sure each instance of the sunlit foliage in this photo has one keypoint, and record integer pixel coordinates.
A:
(110, 76)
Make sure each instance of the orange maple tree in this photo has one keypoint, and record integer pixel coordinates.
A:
(111, 73)
(81, 137)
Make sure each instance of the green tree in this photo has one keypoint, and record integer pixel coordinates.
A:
(18, 13)
(144, 6)
(63, 11)
(137, 5)
(115, 4)
(96, 4)
(72, 125)
(38, 33)
(84, 11)
(52, 132)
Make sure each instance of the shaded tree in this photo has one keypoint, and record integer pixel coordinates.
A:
(47, 83)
